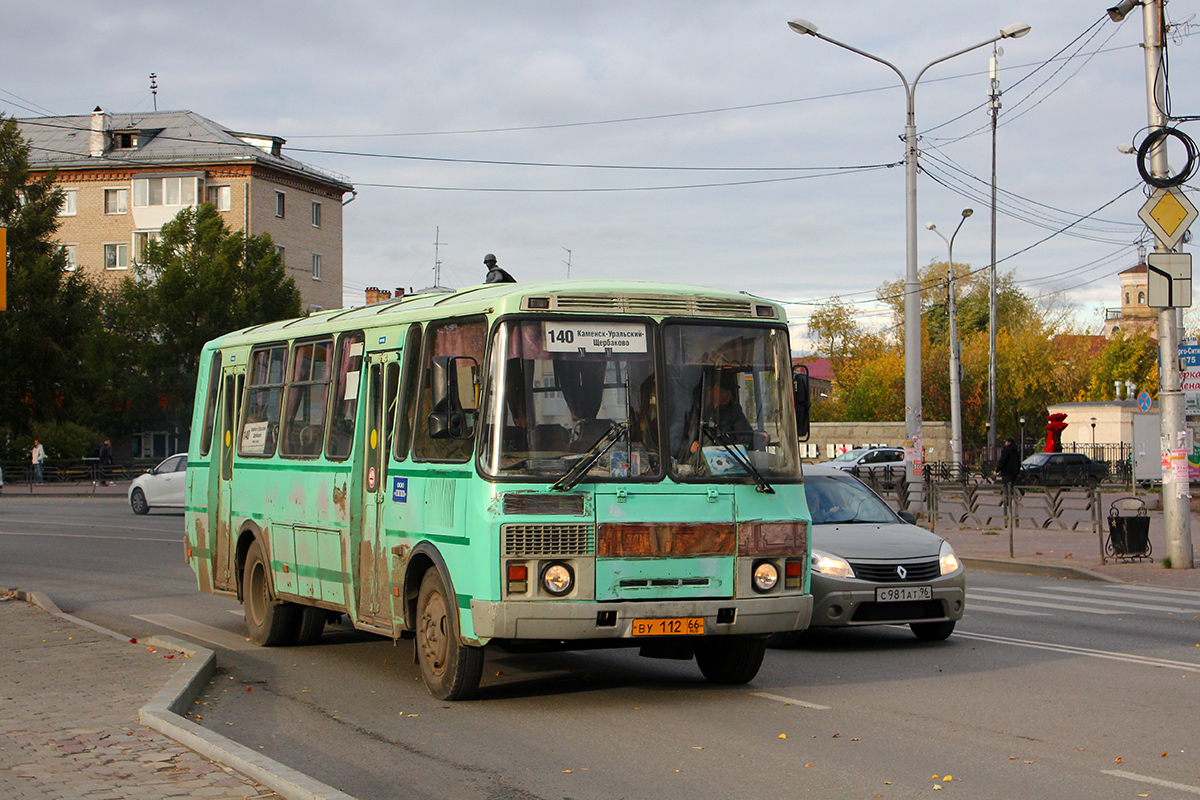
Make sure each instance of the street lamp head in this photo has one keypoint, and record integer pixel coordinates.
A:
(1118, 12)
(930, 226)
(968, 212)
(802, 26)
(1016, 30)
(1127, 148)
(1021, 420)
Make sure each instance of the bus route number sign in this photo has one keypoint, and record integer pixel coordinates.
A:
(594, 337)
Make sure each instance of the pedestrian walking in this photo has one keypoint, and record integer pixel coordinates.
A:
(106, 461)
(37, 456)
(1009, 465)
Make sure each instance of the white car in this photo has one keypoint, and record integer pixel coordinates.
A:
(884, 465)
(162, 487)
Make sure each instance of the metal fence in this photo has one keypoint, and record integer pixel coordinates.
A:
(88, 470)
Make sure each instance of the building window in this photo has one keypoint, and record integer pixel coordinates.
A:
(69, 254)
(221, 197)
(141, 244)
(280, 205)
(279, 251)
(164, 191)
(316, 267)
(116, 256)
(1141, 298)
(125, 140)
(116, 201)
(1127, 298)
(316, 215)
(67, 209)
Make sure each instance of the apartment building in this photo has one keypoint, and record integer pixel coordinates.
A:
(125, 175)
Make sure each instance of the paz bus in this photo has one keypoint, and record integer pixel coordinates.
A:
(576, 464)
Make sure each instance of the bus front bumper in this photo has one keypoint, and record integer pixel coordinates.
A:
(599, 620)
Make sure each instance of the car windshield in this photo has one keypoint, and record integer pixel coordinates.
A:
(558, 386)
(1036, 460)
(849, 455)
(843, 500)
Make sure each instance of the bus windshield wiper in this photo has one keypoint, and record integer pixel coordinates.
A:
(594, 453)
(720, 437)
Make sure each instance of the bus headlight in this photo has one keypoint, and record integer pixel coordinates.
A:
(558, 579)
(766, 575)
(831, 565)
(947, 560)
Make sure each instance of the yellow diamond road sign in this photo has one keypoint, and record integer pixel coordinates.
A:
(1168, 213)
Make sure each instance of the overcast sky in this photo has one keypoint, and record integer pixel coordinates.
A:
(695, 141)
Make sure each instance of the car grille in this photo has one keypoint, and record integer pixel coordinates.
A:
(549, 540)
(899, 612)
(919, 571)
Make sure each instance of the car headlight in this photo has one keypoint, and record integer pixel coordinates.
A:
(558, 579)
(947, 560)
(766, 575)
(831, 565)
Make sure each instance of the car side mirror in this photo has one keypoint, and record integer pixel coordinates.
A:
(907, 516)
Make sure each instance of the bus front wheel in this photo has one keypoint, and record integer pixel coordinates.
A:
(269, 621)
(730, 659)
(450, 669)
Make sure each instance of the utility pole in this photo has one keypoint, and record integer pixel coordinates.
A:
(994, 106)
(1176, 500)
(437, 261)
(568, 263)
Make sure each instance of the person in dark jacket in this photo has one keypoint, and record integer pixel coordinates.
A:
(106, 462)
(1009, 465)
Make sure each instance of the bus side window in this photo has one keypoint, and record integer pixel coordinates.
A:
(260, 417)
(210, 403)
(344, 409)
(463, 342)
(306, 396)
(408, 392)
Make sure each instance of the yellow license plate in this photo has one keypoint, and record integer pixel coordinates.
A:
(678, 626)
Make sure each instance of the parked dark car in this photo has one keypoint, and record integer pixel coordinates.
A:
(1061, 469)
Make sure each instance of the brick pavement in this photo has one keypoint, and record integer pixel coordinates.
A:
(69, 725)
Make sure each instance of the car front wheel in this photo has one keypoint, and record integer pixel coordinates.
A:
(932, 631)
(137, 501)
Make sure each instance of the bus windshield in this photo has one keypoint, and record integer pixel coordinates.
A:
(559, 386)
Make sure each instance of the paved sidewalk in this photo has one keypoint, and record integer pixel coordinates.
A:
(69, 726)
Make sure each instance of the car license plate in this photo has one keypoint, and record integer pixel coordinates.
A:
(896, 594)
(679, 626)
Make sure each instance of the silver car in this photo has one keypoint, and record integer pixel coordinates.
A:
(162, 487)
(871, 566)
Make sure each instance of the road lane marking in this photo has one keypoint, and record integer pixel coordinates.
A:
(197, 630)
(1121, 603)
(1015, 612)
(1040, 604)
(1133, 776)
(1191, 594)
(177, 540)
(1146, 661)
(791, 701)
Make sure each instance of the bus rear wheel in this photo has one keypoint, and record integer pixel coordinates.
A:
(450, 669)
(310, 624)
(730, 660)
(269, 621)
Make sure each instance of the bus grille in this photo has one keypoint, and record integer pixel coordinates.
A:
(654, 304)
(549, 540)
(889, 573)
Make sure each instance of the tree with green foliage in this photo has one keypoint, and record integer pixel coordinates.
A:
(53, 315)
(198, 280)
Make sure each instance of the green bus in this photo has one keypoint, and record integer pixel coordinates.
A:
(576, 464)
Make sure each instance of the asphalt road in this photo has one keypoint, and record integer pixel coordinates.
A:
(1049, 689)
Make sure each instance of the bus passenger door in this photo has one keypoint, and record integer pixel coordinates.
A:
(224, 569)
(383, 380)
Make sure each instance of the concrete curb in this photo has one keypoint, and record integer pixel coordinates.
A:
(164, 714)
(1034, 568)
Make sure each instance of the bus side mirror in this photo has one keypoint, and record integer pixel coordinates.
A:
(448, 420)
(802, 400)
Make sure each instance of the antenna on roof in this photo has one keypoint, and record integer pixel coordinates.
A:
(437, 262)
(154, 89)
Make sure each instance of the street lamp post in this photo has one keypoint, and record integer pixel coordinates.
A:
(1093, 437)
(1021, 420)
(956, 450)
(912, 283)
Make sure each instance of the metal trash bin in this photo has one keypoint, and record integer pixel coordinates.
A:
(1128, 534)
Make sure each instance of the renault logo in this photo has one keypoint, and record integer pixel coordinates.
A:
(902, 572)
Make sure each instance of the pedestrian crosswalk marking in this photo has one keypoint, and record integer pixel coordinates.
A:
(1014, 612)
(1037, 603)
(1123, 603)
